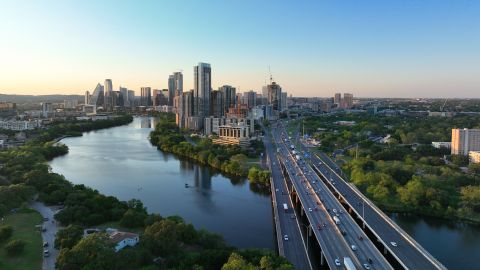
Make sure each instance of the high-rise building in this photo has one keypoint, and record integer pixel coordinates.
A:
(250, 98)
(159, 98)
(337, 99)
(347, 101)
(87, 97)
(201, 89)
(465, 140)
(145, 96)
(229, 96)
(217, 104)
(97, 98)
(131, 98)
(178, 83)
(47, 109)
(283, 101)
(275, 96)
(184, 105)
(108, 95)
(171, 89)
(124, 92)
(70, 103)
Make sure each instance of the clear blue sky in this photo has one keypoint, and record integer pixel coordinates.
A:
(314, 48)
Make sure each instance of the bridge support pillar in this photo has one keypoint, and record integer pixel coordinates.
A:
(322, 258)
(301, 211)
(385, 250)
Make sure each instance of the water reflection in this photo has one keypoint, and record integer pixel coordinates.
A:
(133, 168)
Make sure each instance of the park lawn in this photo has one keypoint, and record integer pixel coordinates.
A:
(23, 223)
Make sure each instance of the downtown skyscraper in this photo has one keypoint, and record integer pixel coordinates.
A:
(108, 101)
(175, 86)
(202, 86)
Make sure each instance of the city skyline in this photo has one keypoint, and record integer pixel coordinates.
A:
(373, 49)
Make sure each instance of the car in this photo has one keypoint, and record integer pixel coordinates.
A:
(341, 211)
(393, 244)
(366, 266)
(276, 190)
(337, 262)
(285, 237)
(344, 232)
(334, 210)
(44, 229)
(360, 237)
(309, 209)
(369, 260)
(354, 248)
(314, 181)
(45, 219)
(319, 227)
(45, 244)
(324, 224)
(46, 253)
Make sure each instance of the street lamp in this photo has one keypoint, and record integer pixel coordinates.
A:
(308, 231)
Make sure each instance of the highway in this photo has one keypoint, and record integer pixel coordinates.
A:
(294, 248)
(398, 243)
(335, 240)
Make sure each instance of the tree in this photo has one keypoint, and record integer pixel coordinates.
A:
(237, 262)
(5, 232)
(474, 168)
(68, 237)
(412, 193)
(133, 219)
(161, 237)
(92, 252)
(470, 196)
(14, 247)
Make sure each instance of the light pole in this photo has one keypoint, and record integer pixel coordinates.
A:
(308, 232)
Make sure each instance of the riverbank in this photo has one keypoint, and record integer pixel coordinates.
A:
(230, 159)
(182, 247)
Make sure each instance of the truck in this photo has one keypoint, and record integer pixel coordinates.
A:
(348, 263)
(336, 219)
(285, 207)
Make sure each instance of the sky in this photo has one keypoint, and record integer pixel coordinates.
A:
(404, 48)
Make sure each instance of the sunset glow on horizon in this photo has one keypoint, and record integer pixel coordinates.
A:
(313, 48)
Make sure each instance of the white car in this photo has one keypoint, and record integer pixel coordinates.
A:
(366, 266)
(285, 237)
(309, 209)
(393, 244)
(354, 247)
(337, 262)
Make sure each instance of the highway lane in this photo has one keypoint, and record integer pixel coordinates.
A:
(408, 252)
(330, 239)
(366, 252)
(294, 249)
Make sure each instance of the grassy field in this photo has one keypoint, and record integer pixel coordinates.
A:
(23, 224)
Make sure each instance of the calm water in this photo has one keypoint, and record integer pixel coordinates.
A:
(121, 162)
(456, 245)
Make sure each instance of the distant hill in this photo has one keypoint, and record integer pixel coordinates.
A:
(21, 99)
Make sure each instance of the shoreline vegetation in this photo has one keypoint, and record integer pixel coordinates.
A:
(230, 159)
(167, 242)
(406, 174)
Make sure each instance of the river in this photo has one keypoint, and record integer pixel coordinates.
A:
(121, 162)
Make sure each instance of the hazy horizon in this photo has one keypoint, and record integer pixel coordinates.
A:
(417, 49)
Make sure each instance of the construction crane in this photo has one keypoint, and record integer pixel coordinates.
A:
(443, 106)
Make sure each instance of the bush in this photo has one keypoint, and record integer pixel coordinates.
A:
(14, 247)
(5, 232)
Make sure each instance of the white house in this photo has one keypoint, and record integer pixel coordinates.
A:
(123, 239)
